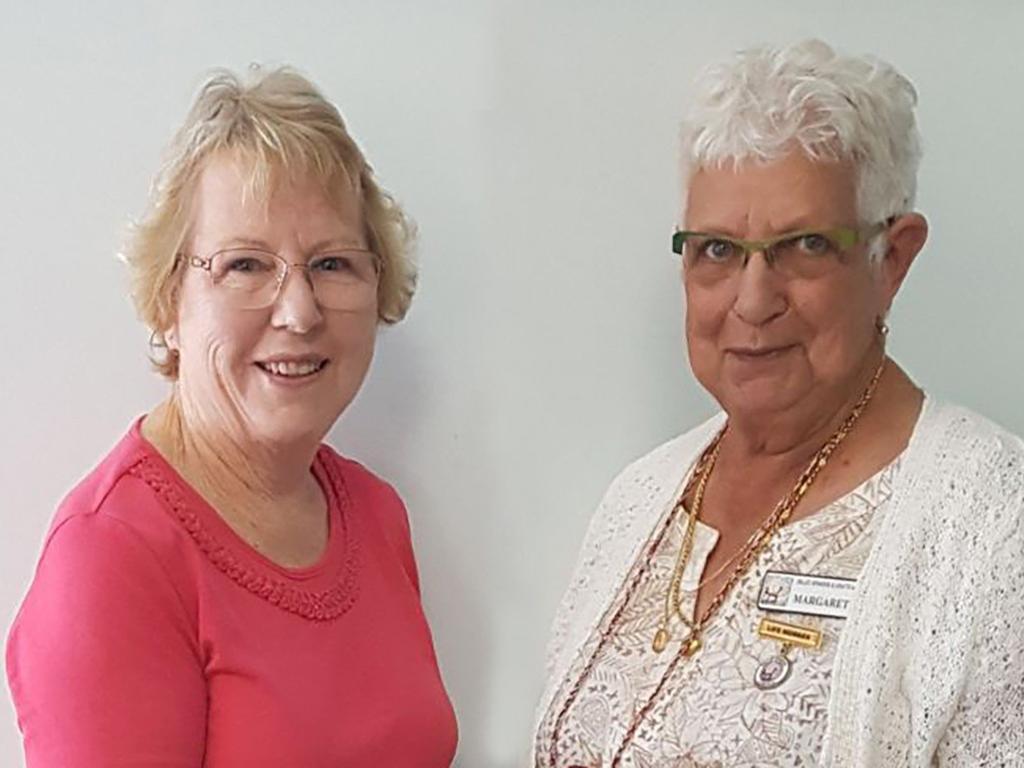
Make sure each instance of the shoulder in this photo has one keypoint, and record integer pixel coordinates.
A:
(958, 504)
(957, 454)
(110, 566)
(112, 547)
(116, 509)
(647, 479)
(362, 484)
(961, 428)
(634, 501)
(367, 495)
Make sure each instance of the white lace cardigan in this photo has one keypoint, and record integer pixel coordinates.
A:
(929, 670)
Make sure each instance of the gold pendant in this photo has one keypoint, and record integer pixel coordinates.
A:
(660, 640)
(693, 644)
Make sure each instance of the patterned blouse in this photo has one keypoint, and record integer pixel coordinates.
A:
(711, 714)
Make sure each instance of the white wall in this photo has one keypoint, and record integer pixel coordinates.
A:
(534, 143)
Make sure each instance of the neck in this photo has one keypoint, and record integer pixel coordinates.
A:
(791, 438)
(224, 462)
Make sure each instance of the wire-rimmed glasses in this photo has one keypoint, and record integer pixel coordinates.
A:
(250, 278)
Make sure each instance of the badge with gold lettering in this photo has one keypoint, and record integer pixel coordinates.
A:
(790, 634)
(828, 596)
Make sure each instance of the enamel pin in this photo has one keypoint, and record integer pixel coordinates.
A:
(775, 671)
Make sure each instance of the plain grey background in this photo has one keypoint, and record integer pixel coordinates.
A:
(534, 142)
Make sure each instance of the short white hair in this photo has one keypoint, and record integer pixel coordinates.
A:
(763, 101)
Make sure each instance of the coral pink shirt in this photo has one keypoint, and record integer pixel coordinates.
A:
(152, 635)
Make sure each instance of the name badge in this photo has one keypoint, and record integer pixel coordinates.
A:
(783, 592)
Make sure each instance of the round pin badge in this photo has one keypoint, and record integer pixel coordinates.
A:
(772, 673)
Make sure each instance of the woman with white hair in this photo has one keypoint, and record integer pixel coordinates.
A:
(224, 589)
(830, 570)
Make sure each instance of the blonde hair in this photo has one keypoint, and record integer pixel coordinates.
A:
(280, 122)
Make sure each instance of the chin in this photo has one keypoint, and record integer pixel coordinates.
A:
(289, 425)
(756, 398)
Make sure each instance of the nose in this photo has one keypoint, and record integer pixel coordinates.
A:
(760, 297)
(296, 308)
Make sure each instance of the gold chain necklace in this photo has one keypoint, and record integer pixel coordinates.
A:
(662, 636)
(757, 543)
(722, 568)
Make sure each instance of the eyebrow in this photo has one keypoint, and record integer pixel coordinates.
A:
(328, 244)
(799, 224)
(243, 242)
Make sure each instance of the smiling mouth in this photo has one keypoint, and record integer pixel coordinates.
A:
(292, 369)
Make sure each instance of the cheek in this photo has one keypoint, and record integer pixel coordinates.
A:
(838, 324)
(706, 310)
(354, 340)
(214, 342)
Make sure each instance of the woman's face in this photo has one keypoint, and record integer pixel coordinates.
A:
(763, 340)
(284, 373)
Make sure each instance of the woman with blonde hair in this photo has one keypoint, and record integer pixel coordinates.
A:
(224, 589)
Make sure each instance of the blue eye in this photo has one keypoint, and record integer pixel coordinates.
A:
(814, 244)
(245, 264)
(334, 263)
(717, 250)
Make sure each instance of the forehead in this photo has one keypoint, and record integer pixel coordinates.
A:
(754, 197)
(232, 199)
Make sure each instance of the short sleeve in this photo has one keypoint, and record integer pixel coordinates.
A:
(401, 537)
(102, 662)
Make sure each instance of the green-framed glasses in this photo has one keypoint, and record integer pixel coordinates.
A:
(804, 253)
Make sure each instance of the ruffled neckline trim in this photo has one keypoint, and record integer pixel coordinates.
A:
(323, 591)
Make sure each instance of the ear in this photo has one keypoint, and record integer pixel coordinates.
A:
(905, 238)
(171, 338)
(171, 333)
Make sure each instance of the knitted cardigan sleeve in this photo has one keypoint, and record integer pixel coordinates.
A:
(930, 666)
(987, 727)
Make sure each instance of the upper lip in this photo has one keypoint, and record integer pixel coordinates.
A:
(292, 359)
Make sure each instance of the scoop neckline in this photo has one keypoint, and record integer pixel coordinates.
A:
(337, 533)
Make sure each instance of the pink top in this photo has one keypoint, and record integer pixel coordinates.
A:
(153, 635)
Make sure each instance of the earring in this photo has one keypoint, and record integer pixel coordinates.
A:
(159, 352)
(882, 327)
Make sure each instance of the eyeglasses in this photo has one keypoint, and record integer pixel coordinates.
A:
(804, 254)
(249, 278)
